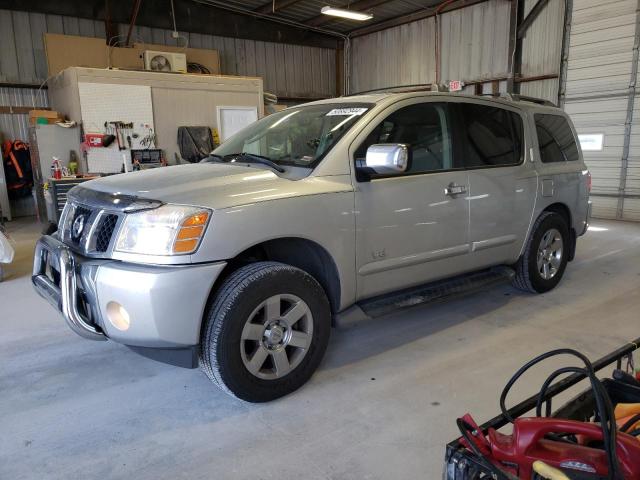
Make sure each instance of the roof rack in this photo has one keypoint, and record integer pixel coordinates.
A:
(417, 87)
(514, 97)
(434, 87)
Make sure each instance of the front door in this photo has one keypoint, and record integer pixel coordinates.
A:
(411, 228)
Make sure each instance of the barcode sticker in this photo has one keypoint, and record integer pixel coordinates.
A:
(346, 111)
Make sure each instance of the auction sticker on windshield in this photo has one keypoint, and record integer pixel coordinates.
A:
(347, 111)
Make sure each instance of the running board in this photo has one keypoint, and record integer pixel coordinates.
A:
(432, 292)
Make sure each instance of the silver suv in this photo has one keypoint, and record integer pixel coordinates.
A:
(240, 263)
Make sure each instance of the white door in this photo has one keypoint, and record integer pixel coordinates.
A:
(411, 228)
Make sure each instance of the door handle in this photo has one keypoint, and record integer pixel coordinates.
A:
(453, 189)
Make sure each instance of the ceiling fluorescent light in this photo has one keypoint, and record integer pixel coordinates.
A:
(350, 14)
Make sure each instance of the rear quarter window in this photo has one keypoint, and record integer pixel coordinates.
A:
(555, 139)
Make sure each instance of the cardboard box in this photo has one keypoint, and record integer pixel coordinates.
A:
(51, 115)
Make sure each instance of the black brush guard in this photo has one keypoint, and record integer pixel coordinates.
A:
(462, 464)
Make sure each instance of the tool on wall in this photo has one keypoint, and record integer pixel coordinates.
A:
(149, 140)
(122, 131)
(116, 126)
(99, 139)
(123, 134)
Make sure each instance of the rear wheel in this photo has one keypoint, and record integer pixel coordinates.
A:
(543, 262)
(265, 332)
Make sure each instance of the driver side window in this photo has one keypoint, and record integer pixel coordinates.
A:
(425, 128)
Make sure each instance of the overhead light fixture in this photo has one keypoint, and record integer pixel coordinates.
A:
(350, 14)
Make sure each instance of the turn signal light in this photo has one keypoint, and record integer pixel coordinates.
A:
(190, 233)
(186, 233)
(199, 218)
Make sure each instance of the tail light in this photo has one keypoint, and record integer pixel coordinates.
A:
(588, 181)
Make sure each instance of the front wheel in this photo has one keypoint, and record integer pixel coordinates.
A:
(265, 332)
(543, 262)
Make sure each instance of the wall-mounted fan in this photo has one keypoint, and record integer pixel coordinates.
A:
(165, 61)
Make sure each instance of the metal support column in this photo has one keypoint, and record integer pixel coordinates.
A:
(564, 58)
(515, 53)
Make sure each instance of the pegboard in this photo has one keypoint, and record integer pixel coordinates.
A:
(107, 102)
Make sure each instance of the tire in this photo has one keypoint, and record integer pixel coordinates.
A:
(265, 297)
(532, 276)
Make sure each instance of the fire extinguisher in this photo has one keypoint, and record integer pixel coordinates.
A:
(56, 169)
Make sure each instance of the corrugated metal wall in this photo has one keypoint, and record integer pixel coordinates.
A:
(403, 55)
(288, 70)
(13, 126)
(474, 48)
(542, 49)
(599, 87)
(475, 42)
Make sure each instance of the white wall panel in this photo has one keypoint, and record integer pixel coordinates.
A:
(599, 76)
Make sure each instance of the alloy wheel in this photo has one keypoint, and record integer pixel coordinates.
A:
(276, 336)
(550, 252)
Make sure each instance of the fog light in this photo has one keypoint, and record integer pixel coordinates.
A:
(118, 316)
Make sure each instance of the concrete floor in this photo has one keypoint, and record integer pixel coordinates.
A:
(382, 405)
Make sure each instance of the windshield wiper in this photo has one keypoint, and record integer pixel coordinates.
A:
(253, 158)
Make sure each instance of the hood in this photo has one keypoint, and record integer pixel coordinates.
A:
(203, 184)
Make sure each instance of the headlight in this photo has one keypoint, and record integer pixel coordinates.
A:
(167, 230)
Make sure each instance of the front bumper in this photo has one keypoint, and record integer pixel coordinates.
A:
(165, 304)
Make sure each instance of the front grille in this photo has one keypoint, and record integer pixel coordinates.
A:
(105, 231)
(88, 230)
(76, 235)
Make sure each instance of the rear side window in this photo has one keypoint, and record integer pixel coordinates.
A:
(493, 136)
(555, 139)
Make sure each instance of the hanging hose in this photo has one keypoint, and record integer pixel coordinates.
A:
(604, 408)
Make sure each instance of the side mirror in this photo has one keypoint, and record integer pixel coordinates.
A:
(388, 158)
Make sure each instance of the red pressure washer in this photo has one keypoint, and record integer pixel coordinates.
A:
(516, 453)
(572, 447)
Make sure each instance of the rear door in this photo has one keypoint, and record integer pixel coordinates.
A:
(502, 185)
(562, 173)
(411, 228)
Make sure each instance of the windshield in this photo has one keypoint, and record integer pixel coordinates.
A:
(295, 136)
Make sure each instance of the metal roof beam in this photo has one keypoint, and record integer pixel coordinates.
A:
(193, 16)
(533, 14)
(275, 5)
(359, 6)
(412, 17)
